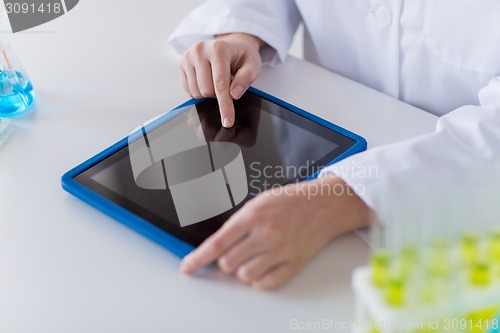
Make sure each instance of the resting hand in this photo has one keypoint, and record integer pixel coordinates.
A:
(273, 235)
(207, 68)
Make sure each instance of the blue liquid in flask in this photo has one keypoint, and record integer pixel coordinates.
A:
(16, 93)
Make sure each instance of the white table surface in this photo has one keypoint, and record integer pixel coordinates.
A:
(99, 71)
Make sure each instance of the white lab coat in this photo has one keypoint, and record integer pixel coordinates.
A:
(442, 56)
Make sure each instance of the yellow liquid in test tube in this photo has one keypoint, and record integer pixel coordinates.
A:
(409, 257)
(380, 263)
(395, 291)
(480, 274)
(494, 246)
(440, 258)
(469, 247)
(481, 321)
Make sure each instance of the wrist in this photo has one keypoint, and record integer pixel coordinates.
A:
(253, 41)
(341, 209)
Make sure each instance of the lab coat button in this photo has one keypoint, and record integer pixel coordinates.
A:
(383, 16)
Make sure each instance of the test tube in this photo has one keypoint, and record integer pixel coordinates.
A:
(494, 246)
(470, 225)
(380, 259)
(480, 273)
(492, 240)
(404, 224)
(439, 282)
(469, 246)
(395, 291)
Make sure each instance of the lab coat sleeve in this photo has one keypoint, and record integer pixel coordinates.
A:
(273, 21)
(454, 170)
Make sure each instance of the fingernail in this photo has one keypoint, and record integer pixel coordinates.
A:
(227, 122)
(237, 92)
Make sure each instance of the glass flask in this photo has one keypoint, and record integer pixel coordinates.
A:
(16, 91)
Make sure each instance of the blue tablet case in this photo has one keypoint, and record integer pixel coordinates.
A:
(173, 244)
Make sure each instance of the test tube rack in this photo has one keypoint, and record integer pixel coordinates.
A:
(445, 286)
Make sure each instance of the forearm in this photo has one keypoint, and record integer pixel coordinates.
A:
(338, 208)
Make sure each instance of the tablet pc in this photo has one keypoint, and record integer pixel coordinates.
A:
(178, 178)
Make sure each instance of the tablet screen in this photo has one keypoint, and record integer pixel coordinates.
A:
(189, 174)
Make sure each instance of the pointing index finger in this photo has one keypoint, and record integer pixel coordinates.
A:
(213, 247)
(221, 73)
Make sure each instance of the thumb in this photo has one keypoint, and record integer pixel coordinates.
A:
(243, 78)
